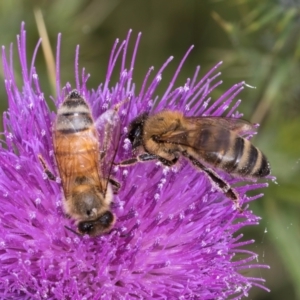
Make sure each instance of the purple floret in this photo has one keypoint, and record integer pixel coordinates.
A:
(175, 237)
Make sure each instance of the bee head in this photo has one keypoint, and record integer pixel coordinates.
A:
(135, 134)
(98, 226)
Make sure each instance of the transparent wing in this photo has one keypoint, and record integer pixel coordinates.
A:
(207, 134)
(108, 126)
(75, 162)
(239, 126)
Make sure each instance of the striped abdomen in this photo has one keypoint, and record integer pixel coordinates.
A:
(74, 115)
(226, 150)
(75, 140)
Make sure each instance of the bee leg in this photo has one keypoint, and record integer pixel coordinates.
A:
(102, 154)
(127, 162)
(216, 180)
(140, 158)
(115, 184)
(46, 169)
(168, 163)
(146, 157)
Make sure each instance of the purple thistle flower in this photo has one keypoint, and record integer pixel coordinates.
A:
(175, 237)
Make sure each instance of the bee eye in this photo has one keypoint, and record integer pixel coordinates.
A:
(85, 227)
(106, 219)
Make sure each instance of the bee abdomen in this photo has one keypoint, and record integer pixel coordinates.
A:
(264, 168)
(74, 115)
(246, 160)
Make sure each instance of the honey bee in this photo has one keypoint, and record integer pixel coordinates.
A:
(88, 194)
(207, 142)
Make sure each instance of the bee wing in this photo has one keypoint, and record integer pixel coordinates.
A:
(109, 129)
(69, 162)
(239, 126)
(206, 134)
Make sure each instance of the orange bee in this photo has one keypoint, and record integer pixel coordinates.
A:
(88, 193)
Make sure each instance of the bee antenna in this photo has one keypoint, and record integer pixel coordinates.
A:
(72, 230)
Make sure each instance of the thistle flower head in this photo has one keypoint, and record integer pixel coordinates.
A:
(175, 237)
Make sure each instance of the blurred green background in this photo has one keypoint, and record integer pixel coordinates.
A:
(258, 41)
